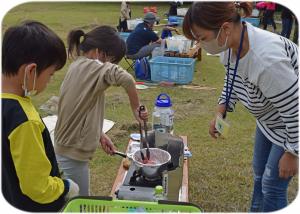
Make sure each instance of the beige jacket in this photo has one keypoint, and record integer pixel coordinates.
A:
(125, 11)
(81, 106)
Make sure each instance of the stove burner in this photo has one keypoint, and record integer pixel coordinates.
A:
(137, 179)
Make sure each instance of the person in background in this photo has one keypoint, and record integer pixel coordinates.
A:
(262, 73)
(78, 131)
(268, 16)
(125, 14)
(287, 22)
(31, 54)
(143, 40)
(296, 31)
(173, 8)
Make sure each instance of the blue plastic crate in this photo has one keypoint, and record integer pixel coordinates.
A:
(124, 35)
(176, 20)
(172, 69)
(254, 21)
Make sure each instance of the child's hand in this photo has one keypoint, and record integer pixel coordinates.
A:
(141, 115)
(107, 145)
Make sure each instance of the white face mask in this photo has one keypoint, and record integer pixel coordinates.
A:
(24, 86)
(213, 47)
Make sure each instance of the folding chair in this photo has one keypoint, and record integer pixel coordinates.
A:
(130, 62)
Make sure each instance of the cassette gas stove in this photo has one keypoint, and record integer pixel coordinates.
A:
(136, 186)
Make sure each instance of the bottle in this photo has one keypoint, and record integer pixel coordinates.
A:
(158, 193)
(163, 46)
(163, 115)
(157, 52)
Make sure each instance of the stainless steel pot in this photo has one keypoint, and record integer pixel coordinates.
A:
(158, 162)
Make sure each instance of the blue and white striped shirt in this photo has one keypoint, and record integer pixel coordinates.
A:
(267, 85)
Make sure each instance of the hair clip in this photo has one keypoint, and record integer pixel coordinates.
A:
(237, 7)
(237, 4)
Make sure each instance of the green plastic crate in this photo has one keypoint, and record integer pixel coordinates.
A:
(90, 204)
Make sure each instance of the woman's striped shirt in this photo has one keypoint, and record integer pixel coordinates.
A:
(267, 85)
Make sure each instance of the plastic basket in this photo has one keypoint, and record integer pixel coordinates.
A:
(89, 204)
(254, 21)
(124, 35)
(255, 12)
(132, 23)
(150, 9)
(182, 11)
(172, 69)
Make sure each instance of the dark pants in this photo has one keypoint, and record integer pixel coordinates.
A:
(287, 25)
(122, 26)
(269, 19)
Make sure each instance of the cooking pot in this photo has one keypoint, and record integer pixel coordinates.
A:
(153, 168)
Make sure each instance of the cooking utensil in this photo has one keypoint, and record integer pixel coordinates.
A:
(121, 154)
(145, 140)
(142, 155)
(142, 141)
(141, 137)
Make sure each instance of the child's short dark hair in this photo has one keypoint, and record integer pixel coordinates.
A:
(105, 38)
(31, 42)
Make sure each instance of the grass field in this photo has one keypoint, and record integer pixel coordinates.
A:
(220, 173)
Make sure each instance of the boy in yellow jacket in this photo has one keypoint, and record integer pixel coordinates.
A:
(31, 53)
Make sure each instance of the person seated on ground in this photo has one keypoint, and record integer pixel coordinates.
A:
(125, 14)
(143, 40)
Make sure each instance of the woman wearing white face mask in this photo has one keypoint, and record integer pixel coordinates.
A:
(261, 73)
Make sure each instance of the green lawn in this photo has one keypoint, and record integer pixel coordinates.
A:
(220, 173)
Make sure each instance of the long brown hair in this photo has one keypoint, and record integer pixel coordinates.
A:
(105, 38)
(211, 15)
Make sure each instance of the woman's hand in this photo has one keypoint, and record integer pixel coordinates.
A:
(288, 165)
(212, 130)
(107, 145)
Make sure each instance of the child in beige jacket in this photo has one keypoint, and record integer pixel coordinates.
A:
(78, 131)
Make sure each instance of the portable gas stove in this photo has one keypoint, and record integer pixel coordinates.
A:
(135, 186)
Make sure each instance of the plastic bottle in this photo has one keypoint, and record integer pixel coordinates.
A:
(157, 52)
(163, 115)
(158, 193)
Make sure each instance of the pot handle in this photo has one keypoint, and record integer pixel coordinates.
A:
(121, 154)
